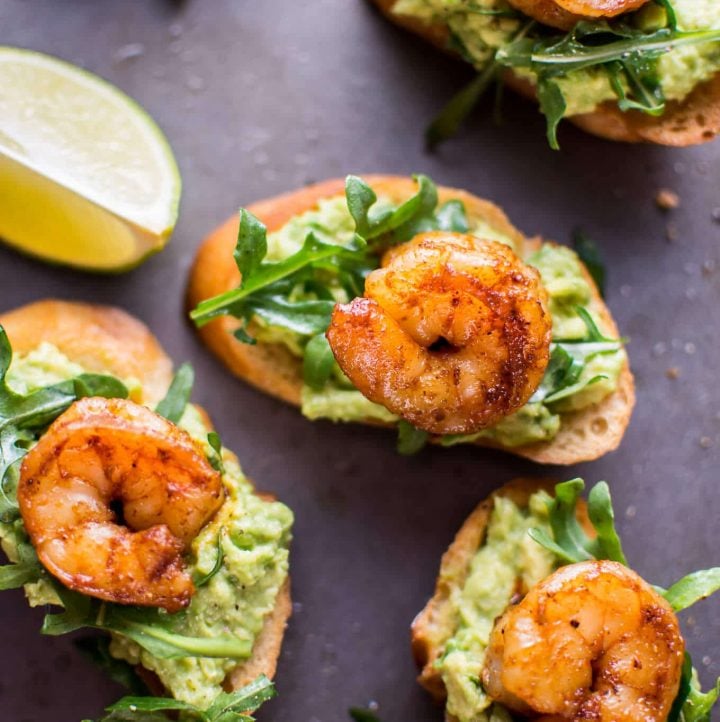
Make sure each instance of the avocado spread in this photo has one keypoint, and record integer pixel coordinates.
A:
(478, 34)
(507, 562)
(253, 534)
(568, 289)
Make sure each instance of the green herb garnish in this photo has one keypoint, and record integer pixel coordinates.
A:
(410, 440)
(226, 707)
(362, 715)
(173, 405)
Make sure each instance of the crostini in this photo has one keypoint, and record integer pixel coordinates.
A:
(634, 71)
(537, 615)
(402, 304)
(120, 505)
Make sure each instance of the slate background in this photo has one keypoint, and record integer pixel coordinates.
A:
(260, 97)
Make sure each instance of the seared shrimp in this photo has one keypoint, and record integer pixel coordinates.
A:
(593, 641)
(452, 335)
(564, 14)
(102, 454)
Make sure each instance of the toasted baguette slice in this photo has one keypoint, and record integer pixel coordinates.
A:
(103, 339)
(435, 623)
(694, 120)
(584, 435)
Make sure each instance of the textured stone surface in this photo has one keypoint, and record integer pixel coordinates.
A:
(260, 97)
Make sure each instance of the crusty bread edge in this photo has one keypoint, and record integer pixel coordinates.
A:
(107, 339)
(693, 121)
(584, 435)
(434, 625)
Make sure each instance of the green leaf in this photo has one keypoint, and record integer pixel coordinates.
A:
(202, 581)
(226, 707)
(699, 705)
(589, 254)
(251, 246)
(216, 458)
(553, 106)
(566, 529)
(303, 317)
(246, 699)
(545, 540)
(97, 651)
(451, 216)
(313, 250)
(148, 627)
(410, 440)
(88, 385)
(447, 123)
(13, 576)
(693, 588)
(360, 199)
(362, 715)
(607, 544)
(318, 361)
(683, 690)
(173, 405)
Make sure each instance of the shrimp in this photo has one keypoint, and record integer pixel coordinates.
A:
(593, 641)
(452, 335)
(111, 497)
(565, 14)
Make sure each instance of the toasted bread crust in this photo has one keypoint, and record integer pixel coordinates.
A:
(104, 339)
(584, 435)
(693, 121)
(434, 625)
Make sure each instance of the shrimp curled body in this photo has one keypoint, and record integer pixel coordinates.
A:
(593, 641)
(101, 454)
(565, 14)
(453, 333)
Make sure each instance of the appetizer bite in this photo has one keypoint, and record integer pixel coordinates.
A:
(536, 615)
(628, 70)
(120, 505)
(423, 308)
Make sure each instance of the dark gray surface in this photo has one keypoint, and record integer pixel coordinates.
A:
(260, 97)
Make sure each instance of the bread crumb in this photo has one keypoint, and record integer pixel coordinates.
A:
(673, 373)
(667, 200)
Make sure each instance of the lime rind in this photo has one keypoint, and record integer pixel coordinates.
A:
(149, 225)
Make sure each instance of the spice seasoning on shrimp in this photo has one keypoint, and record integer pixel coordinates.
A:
(537, 615)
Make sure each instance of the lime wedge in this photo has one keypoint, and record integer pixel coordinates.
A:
(87, 178)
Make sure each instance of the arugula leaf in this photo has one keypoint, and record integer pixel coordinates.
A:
(202, 581)
(386, 226)
(226, 707)
(27, 568)
(698, 705)
(173, 405)
(148, 627)
(553, 107)
(451, 216)
(447, 123)
(693, 588)
(362, 715)
(251, 246)
(410, 440)
(97, 651)
(607, 544)
(215, 458)
(274, 307)
(568, 359)
(303, 317)
(318, 362)
(589, 254)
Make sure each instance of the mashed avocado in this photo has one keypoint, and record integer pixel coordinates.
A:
(508, 560)
(479, 34)
(562, 276)
(254, 536)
